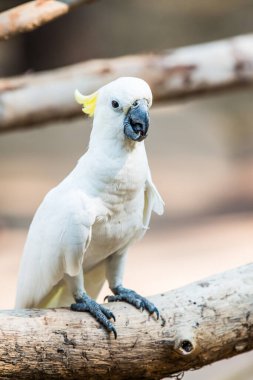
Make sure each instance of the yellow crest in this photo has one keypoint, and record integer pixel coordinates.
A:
(88, 102)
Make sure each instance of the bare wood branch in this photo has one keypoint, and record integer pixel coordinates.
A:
(33, 14)
(201, 323)
(182, 73)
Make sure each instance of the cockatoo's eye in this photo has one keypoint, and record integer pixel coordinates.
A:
(115, 104)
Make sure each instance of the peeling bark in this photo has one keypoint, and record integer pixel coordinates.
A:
(33, 14)
(185, 72)
(200, 324)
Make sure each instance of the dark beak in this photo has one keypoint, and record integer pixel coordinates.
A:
(136, 122)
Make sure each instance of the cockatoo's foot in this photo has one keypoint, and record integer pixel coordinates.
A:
(99, 312)
(130, 296)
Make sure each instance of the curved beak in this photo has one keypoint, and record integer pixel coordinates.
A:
(136, 122)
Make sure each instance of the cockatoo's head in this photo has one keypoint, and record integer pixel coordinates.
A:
(120, 108)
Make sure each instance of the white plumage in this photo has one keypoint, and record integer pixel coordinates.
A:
(82, 230)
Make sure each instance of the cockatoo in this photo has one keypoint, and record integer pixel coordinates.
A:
(82, 230)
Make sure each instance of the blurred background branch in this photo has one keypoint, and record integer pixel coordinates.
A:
(32, 15)
(189, 71)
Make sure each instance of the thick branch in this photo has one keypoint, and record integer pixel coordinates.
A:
(188, 71)
(32, 15)
(201, 323)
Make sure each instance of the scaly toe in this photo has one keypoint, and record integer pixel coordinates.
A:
(133, 298)
(150, 307)
(79, 306)
(108, 313)
(100, 313)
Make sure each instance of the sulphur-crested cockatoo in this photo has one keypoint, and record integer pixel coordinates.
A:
(81, 232)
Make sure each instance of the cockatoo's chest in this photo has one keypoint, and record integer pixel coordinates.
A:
(121, 219)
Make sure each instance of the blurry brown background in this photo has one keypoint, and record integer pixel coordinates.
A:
(200, 151)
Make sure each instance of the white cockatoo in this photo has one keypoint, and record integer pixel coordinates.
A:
(81, 232)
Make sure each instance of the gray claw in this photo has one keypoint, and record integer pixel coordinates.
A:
(156, 312)
(108, 313)
(114, 332)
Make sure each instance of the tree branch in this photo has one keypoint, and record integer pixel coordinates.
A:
(33, 14)
(201, 323)
(184, 72)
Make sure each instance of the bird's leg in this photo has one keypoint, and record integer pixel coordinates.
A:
(114, 274)
(86, 303)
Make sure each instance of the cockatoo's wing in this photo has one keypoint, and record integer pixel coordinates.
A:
(153, 201)
(58, 237)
